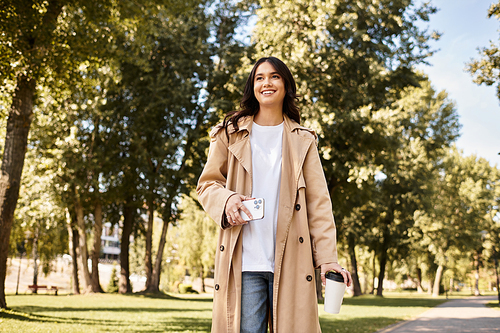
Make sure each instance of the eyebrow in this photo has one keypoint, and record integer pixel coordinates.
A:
(270, 73)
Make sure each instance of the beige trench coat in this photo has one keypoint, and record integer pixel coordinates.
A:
(306, 234)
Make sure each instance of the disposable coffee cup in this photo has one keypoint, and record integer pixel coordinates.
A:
(334, 292)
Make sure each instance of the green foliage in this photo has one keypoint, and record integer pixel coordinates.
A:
(186, 289)
(486, 70)
(113, 282)
(196, 238)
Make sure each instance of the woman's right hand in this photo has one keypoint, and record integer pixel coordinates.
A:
(233, 205)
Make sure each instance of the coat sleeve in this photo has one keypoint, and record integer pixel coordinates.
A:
(319, 210)
(211, 189)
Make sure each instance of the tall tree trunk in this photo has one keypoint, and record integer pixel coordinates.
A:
(128, 220)
(383, 262)
(16, 140)
(73, 251)
(202, 276)
(419, 281)
(354, 266)
(16, 136)
(34, 252)
(429, 289)
(155, 286)
(437, 281)
(374, 270)
(96, 250)
(82, 242)
(476, 275)
(319, 284)
(148, 260)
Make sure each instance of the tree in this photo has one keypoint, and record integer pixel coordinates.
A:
(350, 60)
(486, 70)
(197, 239)
(452, 227)
(158, 107)
(45, 42)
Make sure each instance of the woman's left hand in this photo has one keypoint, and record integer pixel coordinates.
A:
(337, 268)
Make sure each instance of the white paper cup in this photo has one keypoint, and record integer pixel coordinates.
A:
(334, 292)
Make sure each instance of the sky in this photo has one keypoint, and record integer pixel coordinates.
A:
(465, 27)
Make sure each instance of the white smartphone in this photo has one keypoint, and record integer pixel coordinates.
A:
(256, 208)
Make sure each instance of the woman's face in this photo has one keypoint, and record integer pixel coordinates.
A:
(268, 86)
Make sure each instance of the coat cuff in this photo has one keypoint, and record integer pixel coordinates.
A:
(325, 260)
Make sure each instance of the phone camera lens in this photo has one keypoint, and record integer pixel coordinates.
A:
(255, 202)
(257, 207)
(260, 201)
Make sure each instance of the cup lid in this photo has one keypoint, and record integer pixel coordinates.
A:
(331, 275)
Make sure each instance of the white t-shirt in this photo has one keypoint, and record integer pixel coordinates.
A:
(259, 236)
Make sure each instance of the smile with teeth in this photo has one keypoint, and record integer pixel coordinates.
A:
(268, 92)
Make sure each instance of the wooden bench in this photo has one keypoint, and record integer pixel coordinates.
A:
(34, 288)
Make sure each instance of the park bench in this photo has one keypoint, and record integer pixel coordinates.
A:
(34, 288)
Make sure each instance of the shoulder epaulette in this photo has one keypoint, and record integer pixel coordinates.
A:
(310, 131)
(216, 130)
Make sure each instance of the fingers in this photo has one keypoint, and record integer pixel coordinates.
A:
(337, 268)
(246, 211)
(233, 205)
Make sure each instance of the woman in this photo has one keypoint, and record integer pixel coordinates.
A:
(264, 269)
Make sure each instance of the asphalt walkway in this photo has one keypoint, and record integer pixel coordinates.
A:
(457, 316)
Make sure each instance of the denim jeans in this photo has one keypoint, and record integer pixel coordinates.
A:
(256, 301)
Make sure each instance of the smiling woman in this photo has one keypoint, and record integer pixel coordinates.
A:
(264, 268)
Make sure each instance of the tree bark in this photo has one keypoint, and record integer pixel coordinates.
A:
(437, 281)
(155, 285)
(34, 252)
(429, 289)
(128, 221)
(96, 286)
(82, 242)
(476, 275)
(354, 266)
(16, 136)
(419, 281)
(16, 140)
(319, 284)
(202, 273)
(383, 262)
(73, 251)
(374, 270)
(148, 260)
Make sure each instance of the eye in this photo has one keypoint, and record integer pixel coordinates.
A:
(258, 78)
(276, 76)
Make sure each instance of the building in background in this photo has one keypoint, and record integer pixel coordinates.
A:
(110, 242)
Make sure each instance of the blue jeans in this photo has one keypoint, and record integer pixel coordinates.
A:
(256, 301)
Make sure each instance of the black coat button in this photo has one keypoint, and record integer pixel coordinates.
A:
(309, 278)
(222, 247)
(301, 239)
(216, 287)
(297, 207)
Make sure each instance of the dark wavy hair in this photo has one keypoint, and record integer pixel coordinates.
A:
(249, 105)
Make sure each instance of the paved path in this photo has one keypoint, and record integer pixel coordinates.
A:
(457, 316)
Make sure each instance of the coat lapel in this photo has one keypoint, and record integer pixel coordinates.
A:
(241, 148)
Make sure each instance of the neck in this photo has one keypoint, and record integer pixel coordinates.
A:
(268, 117)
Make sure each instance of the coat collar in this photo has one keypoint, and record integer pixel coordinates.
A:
(246, 124)
(295, 147)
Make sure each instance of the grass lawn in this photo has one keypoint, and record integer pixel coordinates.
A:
(140, 313)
